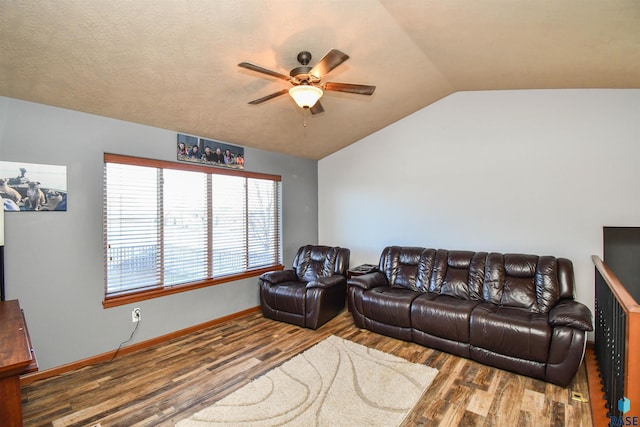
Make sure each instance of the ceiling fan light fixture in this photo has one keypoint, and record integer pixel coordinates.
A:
(305, 96)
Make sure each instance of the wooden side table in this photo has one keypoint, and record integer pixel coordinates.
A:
(16, 358)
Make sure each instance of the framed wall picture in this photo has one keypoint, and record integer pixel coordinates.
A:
(33, 187)
(209, 152)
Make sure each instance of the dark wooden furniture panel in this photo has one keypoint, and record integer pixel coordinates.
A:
(16, 358)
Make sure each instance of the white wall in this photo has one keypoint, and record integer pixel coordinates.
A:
(54, 260)
(537, 172)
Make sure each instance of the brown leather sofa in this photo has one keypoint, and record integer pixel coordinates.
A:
(312, 292)
(512, 311)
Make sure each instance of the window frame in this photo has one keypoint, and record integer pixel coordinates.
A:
(127, 297)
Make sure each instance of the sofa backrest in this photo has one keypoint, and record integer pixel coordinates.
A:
(523, 281)
(312, 262)
(400, 264)
(458, 274)
(531, 282)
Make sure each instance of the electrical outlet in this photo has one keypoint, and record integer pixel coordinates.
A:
(135, 315)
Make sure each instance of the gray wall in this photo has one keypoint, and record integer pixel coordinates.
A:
(54, 260)
(536, 171)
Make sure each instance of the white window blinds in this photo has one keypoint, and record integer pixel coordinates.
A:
(184, 231)
(229, 224)
(131, 235)
(170, 224)
(263, 241)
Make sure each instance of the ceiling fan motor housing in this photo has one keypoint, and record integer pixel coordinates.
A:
(300, 73)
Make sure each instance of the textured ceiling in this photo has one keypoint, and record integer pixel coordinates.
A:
(173, 64)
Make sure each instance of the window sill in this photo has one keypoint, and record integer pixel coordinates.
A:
(128, 298)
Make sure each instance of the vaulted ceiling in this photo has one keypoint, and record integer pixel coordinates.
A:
(173, 64)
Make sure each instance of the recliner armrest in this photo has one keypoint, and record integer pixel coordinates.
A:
(369, 280)
(573, 314)
(326, 282)
(279, 276)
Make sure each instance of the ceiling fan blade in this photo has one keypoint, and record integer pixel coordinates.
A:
(268, 97)
(331, 60)
(259, 69)
(317, 108)
(349, 88)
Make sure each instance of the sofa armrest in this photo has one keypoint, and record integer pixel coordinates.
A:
(326, 282)
(571, 313)
(279, 276)
(369, 281)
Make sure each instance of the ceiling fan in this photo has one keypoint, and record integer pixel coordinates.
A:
(307, 81)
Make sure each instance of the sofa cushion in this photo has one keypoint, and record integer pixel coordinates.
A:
(521, 281)
(510, 331)
(389, 305)
(286, 296)
(442, 316)
(407, 267)
(312, 262)
(458, 274)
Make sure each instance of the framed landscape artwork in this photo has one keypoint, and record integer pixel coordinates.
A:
(209, 152)
(33, 187)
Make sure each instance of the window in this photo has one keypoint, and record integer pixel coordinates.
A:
(170, 227)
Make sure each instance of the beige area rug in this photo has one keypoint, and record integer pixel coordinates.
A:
(334, 383)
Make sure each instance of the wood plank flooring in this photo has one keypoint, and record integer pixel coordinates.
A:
(161, 385)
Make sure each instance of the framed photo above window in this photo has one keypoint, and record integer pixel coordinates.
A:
(209, 152)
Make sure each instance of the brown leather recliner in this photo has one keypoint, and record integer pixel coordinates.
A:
(512, 311)
(312, 292)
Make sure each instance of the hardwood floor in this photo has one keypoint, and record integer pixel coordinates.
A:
(161, 385)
